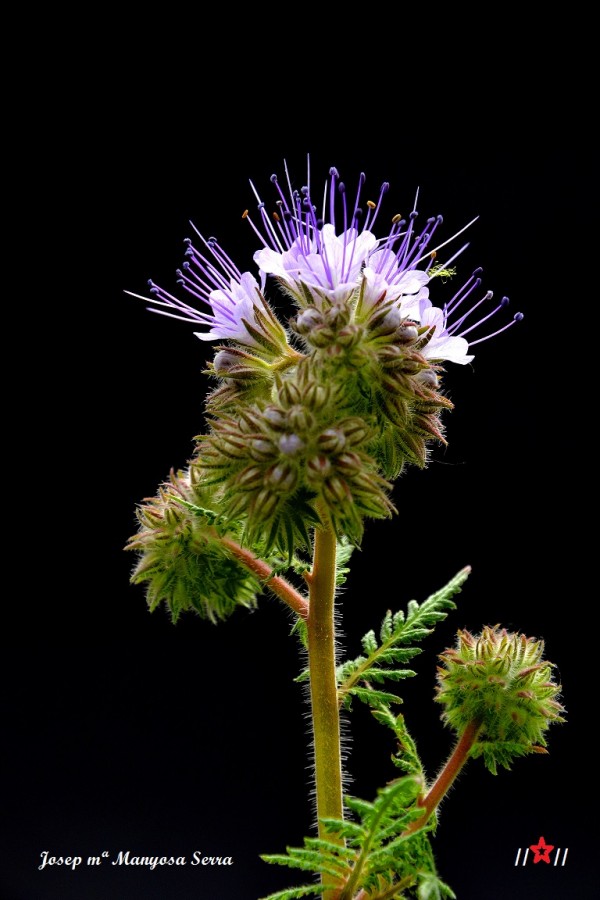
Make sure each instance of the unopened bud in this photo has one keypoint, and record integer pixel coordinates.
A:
(317, 468)
(282, 478)
(307, 320)
(261, 450)
(406, 334)
(290, 444)
(224, 361)
(300, 419)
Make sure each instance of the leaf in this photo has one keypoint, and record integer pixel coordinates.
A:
(397, 633)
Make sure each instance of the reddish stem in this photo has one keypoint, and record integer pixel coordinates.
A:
(282, 588)
(446, 777)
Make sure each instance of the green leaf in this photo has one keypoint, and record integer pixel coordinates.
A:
(397, 632)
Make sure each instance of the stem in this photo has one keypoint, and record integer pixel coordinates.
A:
(446, 777)
(323, 686)
(389, 892)
(280, 587)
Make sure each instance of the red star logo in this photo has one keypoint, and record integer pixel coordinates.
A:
(541, 851)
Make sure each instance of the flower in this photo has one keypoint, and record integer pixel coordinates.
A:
(328, 264)
(239, 311)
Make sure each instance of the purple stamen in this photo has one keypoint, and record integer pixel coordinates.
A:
(518, 317)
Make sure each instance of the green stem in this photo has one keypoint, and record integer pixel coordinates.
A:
(323, 686)
(445, 779)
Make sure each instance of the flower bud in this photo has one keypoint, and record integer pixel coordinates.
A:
(332, 440)
(428, 378)
(225, 360)
(500, 682)
(261, 449)
(407, 333)
(282, 478)
(300, 419)
(275, 417)
(316, 396)
(307, 320)
(290, 444)
(318, 468)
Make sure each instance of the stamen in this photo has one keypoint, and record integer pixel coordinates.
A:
(518, 317)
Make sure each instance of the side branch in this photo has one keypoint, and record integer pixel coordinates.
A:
(446, 778)
(279, 586)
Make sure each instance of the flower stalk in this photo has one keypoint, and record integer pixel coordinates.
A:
(278, 585)
(446, 777)
(323, 684)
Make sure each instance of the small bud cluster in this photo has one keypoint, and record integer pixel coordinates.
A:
(500, 682)
(181, 559)
(295, 454)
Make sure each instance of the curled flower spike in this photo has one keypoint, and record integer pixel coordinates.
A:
(329, 255)
(500, 684)
(332, 256)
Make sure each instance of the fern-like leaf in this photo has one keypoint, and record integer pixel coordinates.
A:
(383, 658)
(380, 856)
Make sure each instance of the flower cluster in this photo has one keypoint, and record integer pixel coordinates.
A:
(330, 257)
(311, 421)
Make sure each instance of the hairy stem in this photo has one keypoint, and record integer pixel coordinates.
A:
(323, 685)
(279, 586)
(391, 891)
(446, 777)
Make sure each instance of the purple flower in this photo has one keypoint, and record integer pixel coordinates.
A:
(238, 310)
(331, 256)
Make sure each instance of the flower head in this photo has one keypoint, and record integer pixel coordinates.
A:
(330, 255)
(326, 256)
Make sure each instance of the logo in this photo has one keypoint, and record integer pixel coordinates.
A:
(542, 852)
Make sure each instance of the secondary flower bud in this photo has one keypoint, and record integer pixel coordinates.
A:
(500, 682)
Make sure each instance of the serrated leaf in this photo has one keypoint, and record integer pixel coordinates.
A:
(396, 631)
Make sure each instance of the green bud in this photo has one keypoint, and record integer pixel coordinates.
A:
(181, 560)
(332, 440)
(321, 337)
(500, 682)
(249, 478)
(307, 320)
(300, 419)
(316, 396)
(318, 468)
(355, 430)
(261, 449)
(282, 478)
(289, 394)
(349, 336)
(264, 504)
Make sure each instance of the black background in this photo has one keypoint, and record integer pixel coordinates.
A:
(124, 732)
